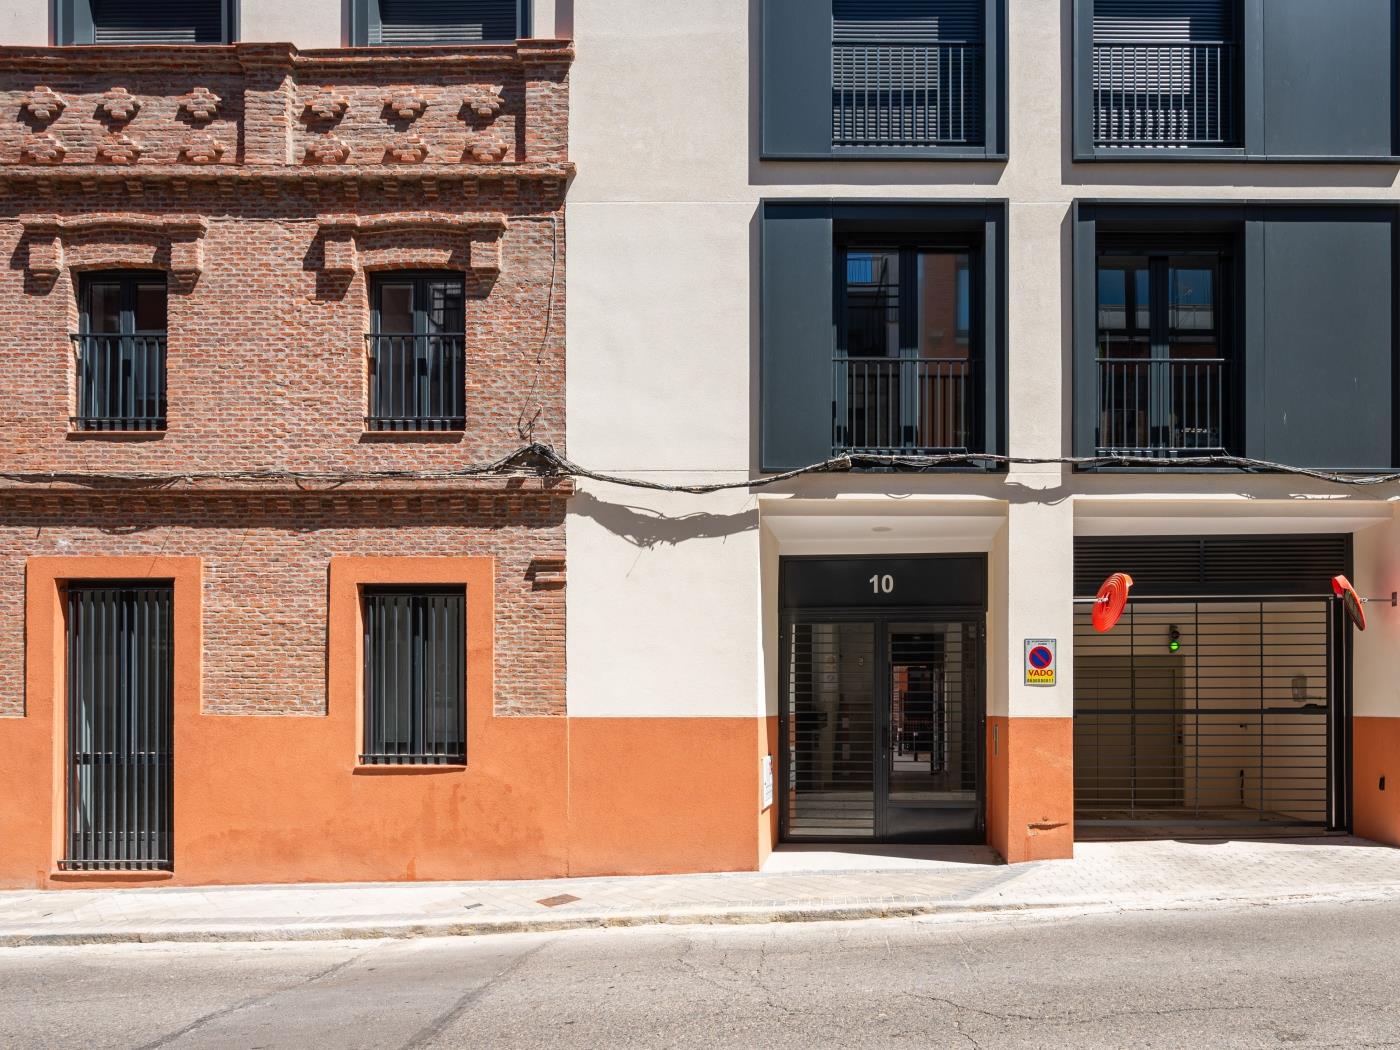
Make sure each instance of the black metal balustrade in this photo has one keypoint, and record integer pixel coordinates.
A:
(1149, 95)
(121, 381)
(1163, 407)
(892, 406)
(906, 94)
(416, 382)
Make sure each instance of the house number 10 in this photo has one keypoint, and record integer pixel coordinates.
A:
(882, 584)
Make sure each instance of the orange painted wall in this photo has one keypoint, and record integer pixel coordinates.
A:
(281, 799)
(1375, 753)
(1030, 788)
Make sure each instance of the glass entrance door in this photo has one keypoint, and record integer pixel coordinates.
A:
(882, 730)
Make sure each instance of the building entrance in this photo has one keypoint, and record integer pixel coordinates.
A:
(882, 708)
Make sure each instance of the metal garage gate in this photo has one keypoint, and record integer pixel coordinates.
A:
(1220, 698)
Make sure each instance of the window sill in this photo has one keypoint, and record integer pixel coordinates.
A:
(115, 435)
(440, 436)
(377, 770)
(896, 153)
(1189, 155)
(111, 875)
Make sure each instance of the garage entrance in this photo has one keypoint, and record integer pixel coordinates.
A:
(882, 707)
(1213, 710)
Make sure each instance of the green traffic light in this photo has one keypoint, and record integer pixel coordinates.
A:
(1175, 646)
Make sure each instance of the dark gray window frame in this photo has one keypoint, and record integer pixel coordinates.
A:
(1251, 90)
(984, 219)
(72, 23)
(364, 15)
(815, 49)
(1244, 221)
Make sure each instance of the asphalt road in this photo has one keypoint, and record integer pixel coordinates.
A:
(1283, 976)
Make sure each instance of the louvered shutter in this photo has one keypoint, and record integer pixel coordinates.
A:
(1212, 565)
(157, 22)
(907, 72)
(1165, 73)
(407, 22)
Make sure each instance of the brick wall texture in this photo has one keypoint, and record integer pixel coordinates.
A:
(318, 169)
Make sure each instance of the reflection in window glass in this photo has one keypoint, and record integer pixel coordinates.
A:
(872, 303)
(396, 308)
(943, 305)
(104, 306)
(1192, 299)
(150, 307)
(1113, 299)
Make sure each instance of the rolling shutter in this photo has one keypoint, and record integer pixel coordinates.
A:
(409, 22)
(907, 21)
(157, 22)
(1163, 21)
(1212, 565)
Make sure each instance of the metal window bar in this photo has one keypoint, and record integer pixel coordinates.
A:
(1151, 94)
(414, 677)
(121, 381)
(903, 405)
(1164, 408)
(417, 382)
(1234, 728)
(906, 94)
(119, 739)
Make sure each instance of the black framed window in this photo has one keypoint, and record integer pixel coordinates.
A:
(870, 79)
(120, 349)
(1274, 80)
(904, 376)
(416, 363)
(145, 21)
(414, 675)
(1166, 382)
(413, 22)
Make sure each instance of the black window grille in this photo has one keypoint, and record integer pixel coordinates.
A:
(907, 72)
(119, 709)
(1165, 373)
(120, 351)
(447, 21)
(905, 377)
(157, 21)
(415, 676)
(1165, 74)
(417, 375)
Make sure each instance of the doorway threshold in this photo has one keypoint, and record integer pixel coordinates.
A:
(798, 857)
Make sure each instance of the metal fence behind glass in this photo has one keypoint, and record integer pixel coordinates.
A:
(893, 406)
(1162, 407)
(906, 94)
(119, 708)
(416, 382)
(121, 381)
(414, 675)
(1155, 94)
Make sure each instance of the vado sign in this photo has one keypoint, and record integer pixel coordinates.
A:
(1040, 661)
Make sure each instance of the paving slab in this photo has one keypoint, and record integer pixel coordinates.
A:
(796, 885)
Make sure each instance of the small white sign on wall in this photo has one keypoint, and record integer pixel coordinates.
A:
(766, 777)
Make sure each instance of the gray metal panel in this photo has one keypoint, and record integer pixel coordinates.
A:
(1328, 78)
(1085, 348)
(796, 78)
(1329, 351)
(798, 337)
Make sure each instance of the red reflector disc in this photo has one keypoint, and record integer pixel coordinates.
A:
(1351, 601)
(1111, 601)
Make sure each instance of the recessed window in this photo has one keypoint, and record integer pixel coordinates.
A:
(410, 22)
(904, 377)
(120, 351)
(414, 676)
(144, 22)
(416, 364)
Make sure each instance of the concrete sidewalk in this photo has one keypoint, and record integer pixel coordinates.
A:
(796, 885)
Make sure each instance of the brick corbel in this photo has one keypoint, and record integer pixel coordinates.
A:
(182, 235)
(344, 238)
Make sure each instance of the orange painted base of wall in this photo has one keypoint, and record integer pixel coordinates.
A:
(1375, 753)
(1030, 788)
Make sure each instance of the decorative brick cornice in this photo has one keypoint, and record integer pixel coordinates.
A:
(182, 234)
(327, 104)
(343, 236)
(118, 149)
(42, 149)
(17, 177)
(119, 104)
(484, 102)
(406, 104)
(43, 104)
(202, 149)
(409, 150)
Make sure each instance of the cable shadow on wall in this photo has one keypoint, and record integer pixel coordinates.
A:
(646, 528)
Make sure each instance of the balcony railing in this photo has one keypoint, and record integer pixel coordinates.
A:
(1149, 95)
(906, 94)
(416, 382)
(121, 381)
(1163, 408)
(886, 406)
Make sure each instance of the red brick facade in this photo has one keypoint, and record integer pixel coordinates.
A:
(269, 183)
